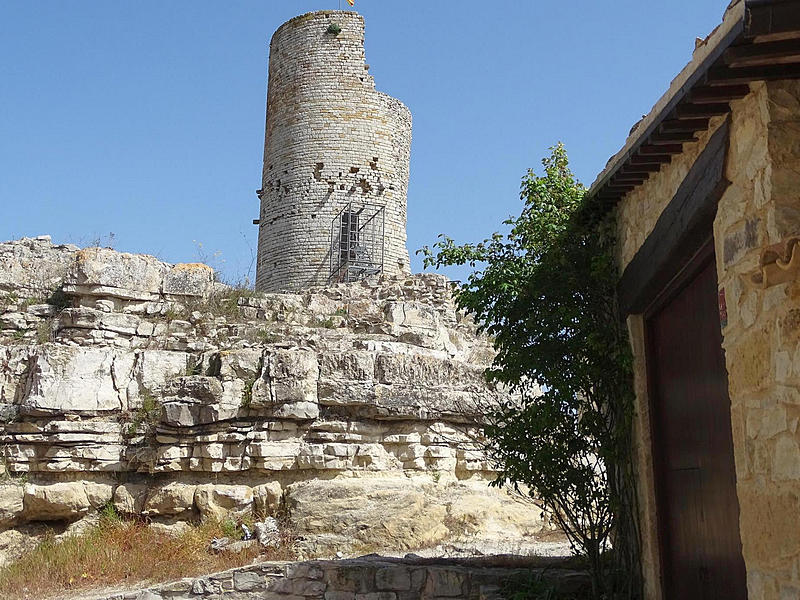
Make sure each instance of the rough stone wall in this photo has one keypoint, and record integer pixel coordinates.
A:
(762, 336)
(351, 407)
(331, 139)
(366, 578)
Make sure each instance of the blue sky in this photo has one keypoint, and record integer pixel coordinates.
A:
(146, 119)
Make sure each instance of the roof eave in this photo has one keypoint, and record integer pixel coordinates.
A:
(704, 88)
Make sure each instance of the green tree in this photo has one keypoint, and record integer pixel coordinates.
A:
(545, 292)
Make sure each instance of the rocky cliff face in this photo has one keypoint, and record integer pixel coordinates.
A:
(127, 380)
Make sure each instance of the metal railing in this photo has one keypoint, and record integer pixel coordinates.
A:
(357, 242)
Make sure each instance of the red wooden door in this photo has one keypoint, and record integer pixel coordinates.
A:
(693, 451)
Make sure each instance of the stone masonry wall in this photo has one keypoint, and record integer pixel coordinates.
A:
(331, 139)
(639, 209)
(351, 408)
(367, 578)
(762, 336)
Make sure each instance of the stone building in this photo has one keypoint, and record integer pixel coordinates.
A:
(707, 197)
(336, 160)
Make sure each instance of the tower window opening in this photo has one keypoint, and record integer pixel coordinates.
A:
(357, 242)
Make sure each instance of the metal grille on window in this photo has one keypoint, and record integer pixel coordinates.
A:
(357, 242)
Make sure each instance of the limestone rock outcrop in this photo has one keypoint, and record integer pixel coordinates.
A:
(350, 408)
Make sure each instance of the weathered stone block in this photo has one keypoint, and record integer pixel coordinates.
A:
(393, 578)
(105, 272)
(267, 499)
(11, 504)
(129, 498)
(748, 362)
(308, 587)
(34, 267)
(67, 500)
(786, 463)
(248, 581)
(445, 583)
(170, 499)
(72, 380)
(189, 279)
(294, 375)
(217, 501)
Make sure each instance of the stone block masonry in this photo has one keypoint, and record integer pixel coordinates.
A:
(761, 334)
(369, 578)
(331, 139)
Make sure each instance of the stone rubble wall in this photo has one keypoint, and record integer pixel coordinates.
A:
(366, 578)
(153, 387)
(331, 139)
(761, 338)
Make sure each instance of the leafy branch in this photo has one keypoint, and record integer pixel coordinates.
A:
(546, 292)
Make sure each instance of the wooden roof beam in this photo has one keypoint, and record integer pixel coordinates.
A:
(712, 95)
(783, 51)
(661, 149)
(619, 188)
(632, 180)
(650, 159)
(684, 125)
(662, 138)
(693, 111)
(770, 18)
(630, 169)
(728, 75)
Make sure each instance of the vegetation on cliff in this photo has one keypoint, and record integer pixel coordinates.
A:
(121, 551)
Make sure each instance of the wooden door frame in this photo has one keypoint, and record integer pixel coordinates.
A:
(680, 236)
(693, 267)
(685, 274)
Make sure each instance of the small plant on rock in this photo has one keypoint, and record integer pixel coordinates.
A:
(28, 302)
(44, 331)
(109, 513)
(247, 393)
(327, 323)
(230, 529)
(148, 415)
(264, 336)
(172, 314)
(227, 304)
(194, 369)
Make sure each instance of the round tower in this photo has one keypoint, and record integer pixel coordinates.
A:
(336, 160)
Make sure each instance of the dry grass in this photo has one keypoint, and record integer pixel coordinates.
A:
(121, 553)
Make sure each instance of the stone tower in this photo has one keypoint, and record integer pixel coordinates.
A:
(336, 160)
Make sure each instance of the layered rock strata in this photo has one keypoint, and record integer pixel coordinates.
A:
(351, 408)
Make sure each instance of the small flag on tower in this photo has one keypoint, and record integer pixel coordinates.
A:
(351, 2)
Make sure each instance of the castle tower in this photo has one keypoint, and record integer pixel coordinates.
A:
(336, 160)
